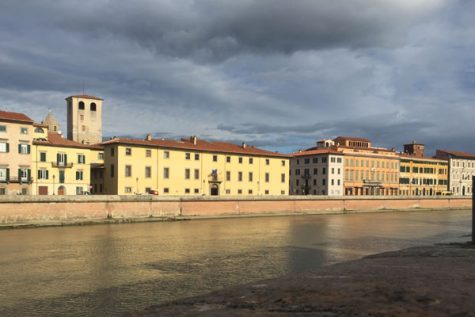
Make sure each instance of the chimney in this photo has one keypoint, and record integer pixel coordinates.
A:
(193, 139)
(148, 137)
(244, 145)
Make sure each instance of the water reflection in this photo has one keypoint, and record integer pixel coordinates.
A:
(107, 270)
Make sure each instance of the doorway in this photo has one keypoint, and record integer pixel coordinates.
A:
(61, 190)
(214, 190)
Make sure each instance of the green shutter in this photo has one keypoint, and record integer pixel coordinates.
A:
(8, 175)
(28, 175)
(19, 175)
(19, 148)
(65, 159)
(28, 149)
(77, 175)
(84, 159)
(39, 174)
(47, 174)
(8, 147)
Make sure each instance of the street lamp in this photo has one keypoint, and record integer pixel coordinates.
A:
(54, 177)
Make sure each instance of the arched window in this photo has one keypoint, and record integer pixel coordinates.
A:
(81, 105)
(93, 106)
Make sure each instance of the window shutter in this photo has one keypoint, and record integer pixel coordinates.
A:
(58, 158)
(19, 175)
(84, 159)
(8, 174)
(28, 175)
(39, 174)
(28, 149)
(8, 147)
(65, 159)
(77, 175)
(47, 174)
(19, 148)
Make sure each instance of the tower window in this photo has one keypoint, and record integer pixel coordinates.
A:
(93, 106)
(81, 105)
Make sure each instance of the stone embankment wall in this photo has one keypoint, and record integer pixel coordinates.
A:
(51, 209)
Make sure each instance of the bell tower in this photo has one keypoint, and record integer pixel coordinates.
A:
(84, 119)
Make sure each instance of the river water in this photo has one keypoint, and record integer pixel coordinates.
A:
(107, 270)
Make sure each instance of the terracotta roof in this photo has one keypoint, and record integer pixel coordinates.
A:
(201, 145)
(315, 152)
(40, 125)
(14, 117)
(415, 158)
(457, 153)
(56, 139)
(352, 138)
(85, 97)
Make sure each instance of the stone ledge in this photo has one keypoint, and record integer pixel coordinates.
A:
(422, 281)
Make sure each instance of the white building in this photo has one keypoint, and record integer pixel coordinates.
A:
(317, 171)
(461, 169)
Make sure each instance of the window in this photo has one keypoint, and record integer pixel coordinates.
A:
(79, 175)
(43, 174)
(240, 160)
(42, 156)
(324, 170)
(93, 107)
(307, 161)
(267, 192)
(166, 190)
(315, 171)
(81, 105)
(166, 172)
(61, 159)
(197, 173)
(215, 158)
(251, 176)
(197, 157)
(81, 159)
(24, 148)
(228, 159)
(3, 128)
(324, 181)
(148, 190)
(128, 190)
(4, 174)
(128, 151)
(62, 177)
(282, 178)
(283, 162)
(83, 128)
(128, 171)
(228, 191)
(4, 147)
(239, 191)
(166, 154)
(112, 151)
(267, 177)
(187, 156)
(240, 176)
(148, 153)
(23, 130)
(249, 191)
(3, 191)
(197, 191)
(112, 171)
(251, 160)
(148, 171)
(267, 161)
(187, 190)
(228, 176)
(187, 173)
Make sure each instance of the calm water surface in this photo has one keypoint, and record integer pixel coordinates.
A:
(107, 270)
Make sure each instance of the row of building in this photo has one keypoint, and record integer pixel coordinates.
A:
(36, 159)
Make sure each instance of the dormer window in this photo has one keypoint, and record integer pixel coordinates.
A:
(93, 106)
(81, 105)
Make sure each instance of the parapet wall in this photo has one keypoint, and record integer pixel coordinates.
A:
(58, 209)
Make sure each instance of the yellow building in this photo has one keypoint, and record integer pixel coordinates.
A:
(16, 134)
(422, 176)
(61, 166)
(192, 167)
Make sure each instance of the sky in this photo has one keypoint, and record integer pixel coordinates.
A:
(277, 74)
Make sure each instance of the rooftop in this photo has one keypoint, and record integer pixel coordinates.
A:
(14, 117)
(457, 153)
(85, 97)
(200, 145)
(56, 139)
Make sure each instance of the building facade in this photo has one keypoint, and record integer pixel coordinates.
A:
(420, 175)
(461, 167)
(84, 117)
(192, 167)
(317, 172)
(16, 135)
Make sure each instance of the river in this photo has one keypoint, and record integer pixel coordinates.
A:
(107, 270)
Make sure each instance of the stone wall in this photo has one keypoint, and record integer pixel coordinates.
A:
(59, 209)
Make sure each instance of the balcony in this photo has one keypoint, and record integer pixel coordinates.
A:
(16, 179)
(62, 164)
(213, 178)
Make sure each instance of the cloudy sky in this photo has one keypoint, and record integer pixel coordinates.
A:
(275, 73)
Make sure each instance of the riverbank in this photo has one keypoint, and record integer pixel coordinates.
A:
(422, 281)
(34, 211)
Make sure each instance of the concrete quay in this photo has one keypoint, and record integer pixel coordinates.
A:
(422, 281)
